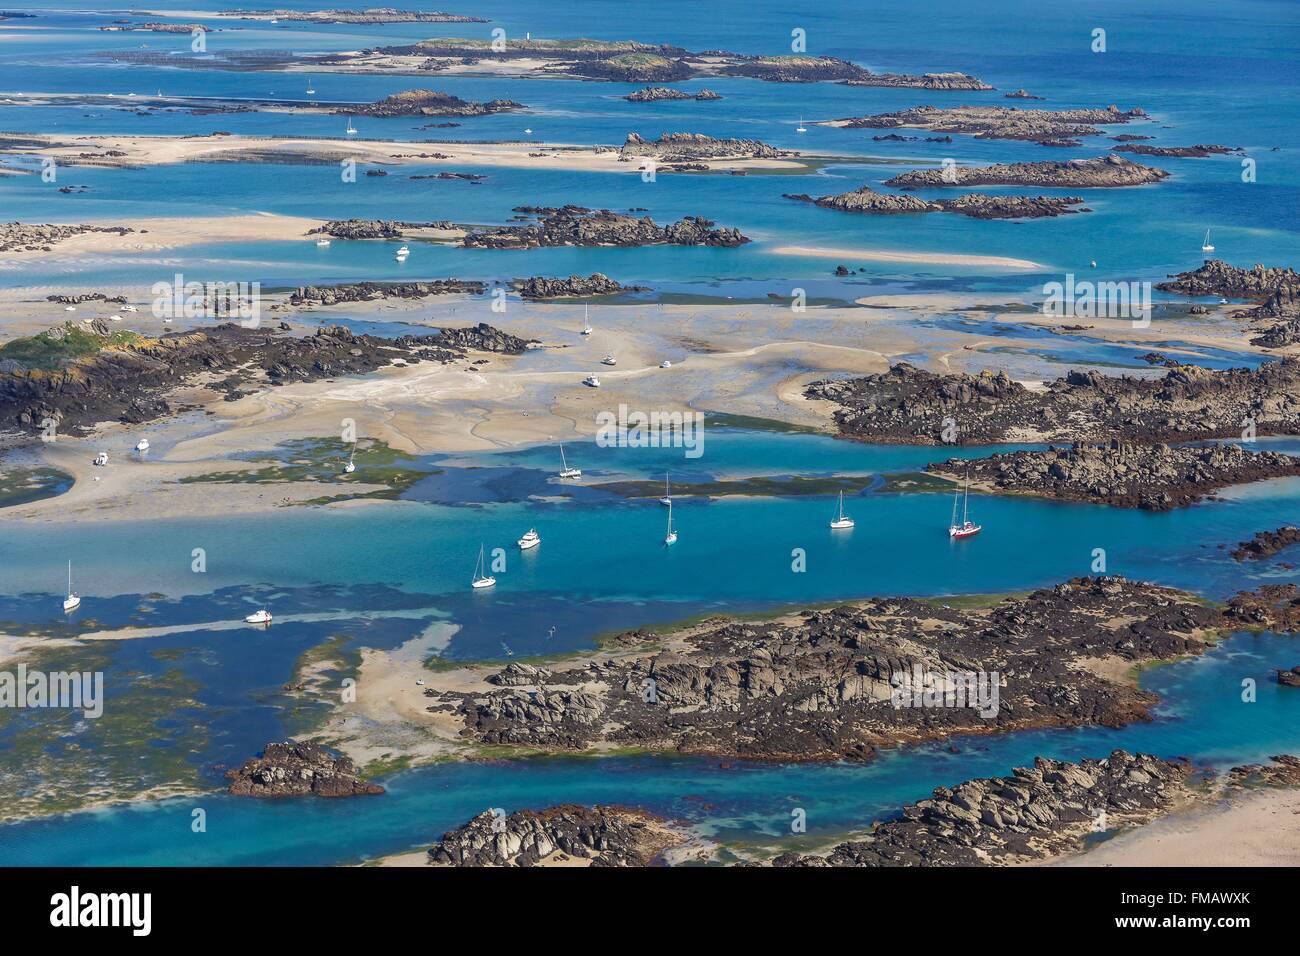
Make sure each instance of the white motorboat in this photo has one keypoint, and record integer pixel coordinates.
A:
(841, 520)
(101, 459)
(531, 539)
(142, 445)
(591, 381)
(73, 600)
(322, 242)
(259, 617)
(665, 364)
(609, 360)
(565, 470)
(130, 308)
(481, 578)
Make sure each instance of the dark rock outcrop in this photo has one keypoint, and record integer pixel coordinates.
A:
(975, 205)
(133, 382)
(601, 835)
(573, 226)
(41, 237)
(1101, 172)
(695, 147)
(1122, 474)
(821, 685)
(293, 769)
(1200, 151)
(429, 103)
(998, 122)
(652, 94)
(1265, 544)
(909, 406)
(313, 295)
(1034, 813)
(540, 287)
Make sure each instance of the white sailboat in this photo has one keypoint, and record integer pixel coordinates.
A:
(1205, 245)
(352, 130)
(967, 527)
(73, 600)
(310, 90)
(565, 470)
(586, 324)
(841, 520)
(481, 578)
(351, 466)
(672, 535)
(259, 617)
(530, 540)
(667, 499)
(322, 242)
(801, 128)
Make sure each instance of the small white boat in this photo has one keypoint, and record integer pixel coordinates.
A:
(531, 539)
(1223, 302)
(671, 536)
(101, 459)
(801, 128)
(350, 467)
(404, 251)
(609, 360)
(310, 89)
(259, 617)
(419, 682)
(967, 527)
(529, 132)
(352, 130)
(586, 324)
(841, 520)
(69, 308)
(322, 242)
(1093, 264)
(142, 445)
(130, 308)
(667, 499)
(1205, 245)
(665, 364)
(481, 578)
(73, 600)
(565, 470)
(115, 318)
(591, 381)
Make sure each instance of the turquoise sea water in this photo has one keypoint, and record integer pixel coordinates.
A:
(391, 573)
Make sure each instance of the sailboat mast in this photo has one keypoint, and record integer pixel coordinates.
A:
(965, 504)
(69, 575)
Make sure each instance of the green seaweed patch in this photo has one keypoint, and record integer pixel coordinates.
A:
(759, 487)
(754, 423)
(20, 486)
(916, 482)
(322, 460)
(143, 743)
(61, 346)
